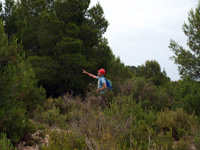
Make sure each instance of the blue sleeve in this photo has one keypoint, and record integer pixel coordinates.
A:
(103, 80)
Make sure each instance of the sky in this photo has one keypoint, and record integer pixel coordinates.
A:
(141, 30)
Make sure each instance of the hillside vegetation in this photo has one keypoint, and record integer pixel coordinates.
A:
(46, 102)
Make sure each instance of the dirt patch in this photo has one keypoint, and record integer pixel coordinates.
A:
(35, 142)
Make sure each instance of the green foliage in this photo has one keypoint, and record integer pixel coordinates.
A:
(188, 60)
(145, 92)
(118, 74)
(19, 90)
(197, 138)
(133, 122)
(58, 111)
(191, 97)
(183, 144)
(69, 46)
(67, 33)
(71, 78)
(122, 124)
(185, 95)
(177, 121)
(163, 141)
(9, 17)
(0, 8)
(60, 38)
(60, 140)
(52, 117)
(5, 144)
(97, 19)
(64, 74)
(152, 71)
(151, 130)
(46, 69)
(48, 35)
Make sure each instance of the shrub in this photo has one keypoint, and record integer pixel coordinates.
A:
(130, 122)
(162, 141)
(149, 95)
(52, 117)
(61, 110)
(96, 100)
(106, 140)
(183, 144)
(65, 104)
(122, 124)
(197, 138)
(139, 128)
(61, 140)
(5, 144)
(186, 95)
(178, 121)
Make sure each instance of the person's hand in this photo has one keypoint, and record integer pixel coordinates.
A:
(97, 90)
(84, 71)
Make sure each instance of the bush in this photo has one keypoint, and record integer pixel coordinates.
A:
(197, 138)
(149, 95)
(146, 129)
(61, 110)
(161, 141)
(122, 124)
(96, 100)
(5, 144)
(179, 122)
(130, 122)
(183, 144)
(61, 140)
(52, 117)
(186, 95)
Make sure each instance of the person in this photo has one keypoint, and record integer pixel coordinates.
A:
(101, 86)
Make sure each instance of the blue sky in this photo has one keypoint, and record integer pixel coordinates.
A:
(142, 30)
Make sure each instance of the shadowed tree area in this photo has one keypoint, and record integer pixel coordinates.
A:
(60, 38)
(18, 89)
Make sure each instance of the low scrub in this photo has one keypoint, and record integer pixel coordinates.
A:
(60, 140)
(5, 144)
(123, 124)
(146, 92)
(178, 121)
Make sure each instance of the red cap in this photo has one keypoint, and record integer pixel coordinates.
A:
(102, 71)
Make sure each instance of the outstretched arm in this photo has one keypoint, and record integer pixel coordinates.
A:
(89, 74)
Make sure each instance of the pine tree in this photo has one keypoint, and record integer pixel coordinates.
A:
(53, 33)
(189, 60)
(18, 89)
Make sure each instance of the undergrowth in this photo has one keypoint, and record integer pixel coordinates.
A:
(122, 124)
(140, 117)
